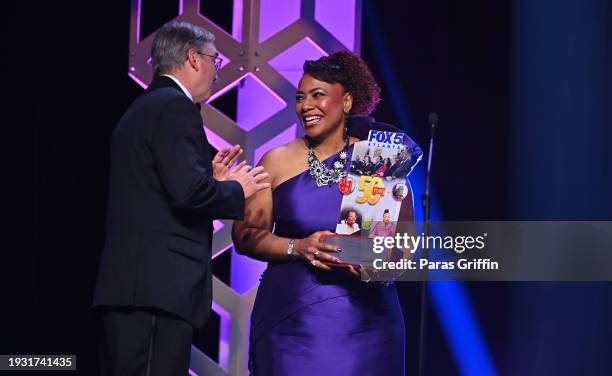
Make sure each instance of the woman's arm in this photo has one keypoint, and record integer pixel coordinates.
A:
(253, 236)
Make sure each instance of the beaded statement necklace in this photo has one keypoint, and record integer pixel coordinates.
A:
(324, 175)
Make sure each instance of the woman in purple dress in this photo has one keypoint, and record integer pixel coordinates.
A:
(310, 318)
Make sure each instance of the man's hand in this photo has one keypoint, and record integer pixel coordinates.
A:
(223, 161)
(249, 178)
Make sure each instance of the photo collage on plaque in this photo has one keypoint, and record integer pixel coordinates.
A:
(375, 186)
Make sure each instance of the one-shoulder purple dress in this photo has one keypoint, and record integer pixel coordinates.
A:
(311, 322)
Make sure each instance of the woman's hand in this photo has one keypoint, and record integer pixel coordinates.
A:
(314, 251)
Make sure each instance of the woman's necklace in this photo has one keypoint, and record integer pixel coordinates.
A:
(324, 175)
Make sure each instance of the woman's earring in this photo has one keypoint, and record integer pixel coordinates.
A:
(346, 118)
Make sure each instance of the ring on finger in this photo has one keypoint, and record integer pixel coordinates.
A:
(316, 254)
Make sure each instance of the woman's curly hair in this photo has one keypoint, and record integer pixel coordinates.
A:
(353, 74)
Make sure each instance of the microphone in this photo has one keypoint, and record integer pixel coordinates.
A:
(432, 121)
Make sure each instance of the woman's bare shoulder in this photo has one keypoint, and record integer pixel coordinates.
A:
(289, 150)
(285, 161)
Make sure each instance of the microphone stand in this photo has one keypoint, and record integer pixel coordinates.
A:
(433, 121)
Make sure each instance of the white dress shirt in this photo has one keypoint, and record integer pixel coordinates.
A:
(187, 93)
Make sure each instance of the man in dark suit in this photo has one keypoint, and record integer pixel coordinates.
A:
(404, 167)
(401, 167)
(154, 282)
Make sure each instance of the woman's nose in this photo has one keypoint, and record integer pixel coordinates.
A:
(307, 104)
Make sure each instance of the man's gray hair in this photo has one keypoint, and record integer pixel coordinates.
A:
(171, 43)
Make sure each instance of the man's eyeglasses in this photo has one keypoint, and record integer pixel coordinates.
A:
(216, 59)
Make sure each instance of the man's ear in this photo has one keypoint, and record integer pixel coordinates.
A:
(192, 59)
(347, 102)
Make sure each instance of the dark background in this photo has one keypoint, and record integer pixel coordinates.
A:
(523, 90)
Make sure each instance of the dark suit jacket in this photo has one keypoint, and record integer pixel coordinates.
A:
(392, 169)
(162, 200)
(403, 169)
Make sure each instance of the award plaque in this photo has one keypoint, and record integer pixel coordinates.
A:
(374, 191)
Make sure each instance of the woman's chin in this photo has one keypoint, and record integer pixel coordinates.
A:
(313, 132)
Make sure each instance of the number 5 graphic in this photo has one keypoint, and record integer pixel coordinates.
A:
(372, 188)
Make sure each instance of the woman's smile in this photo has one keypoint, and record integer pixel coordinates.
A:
(311, 120)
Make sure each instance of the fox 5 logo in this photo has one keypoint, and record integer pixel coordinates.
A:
(385, 137)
